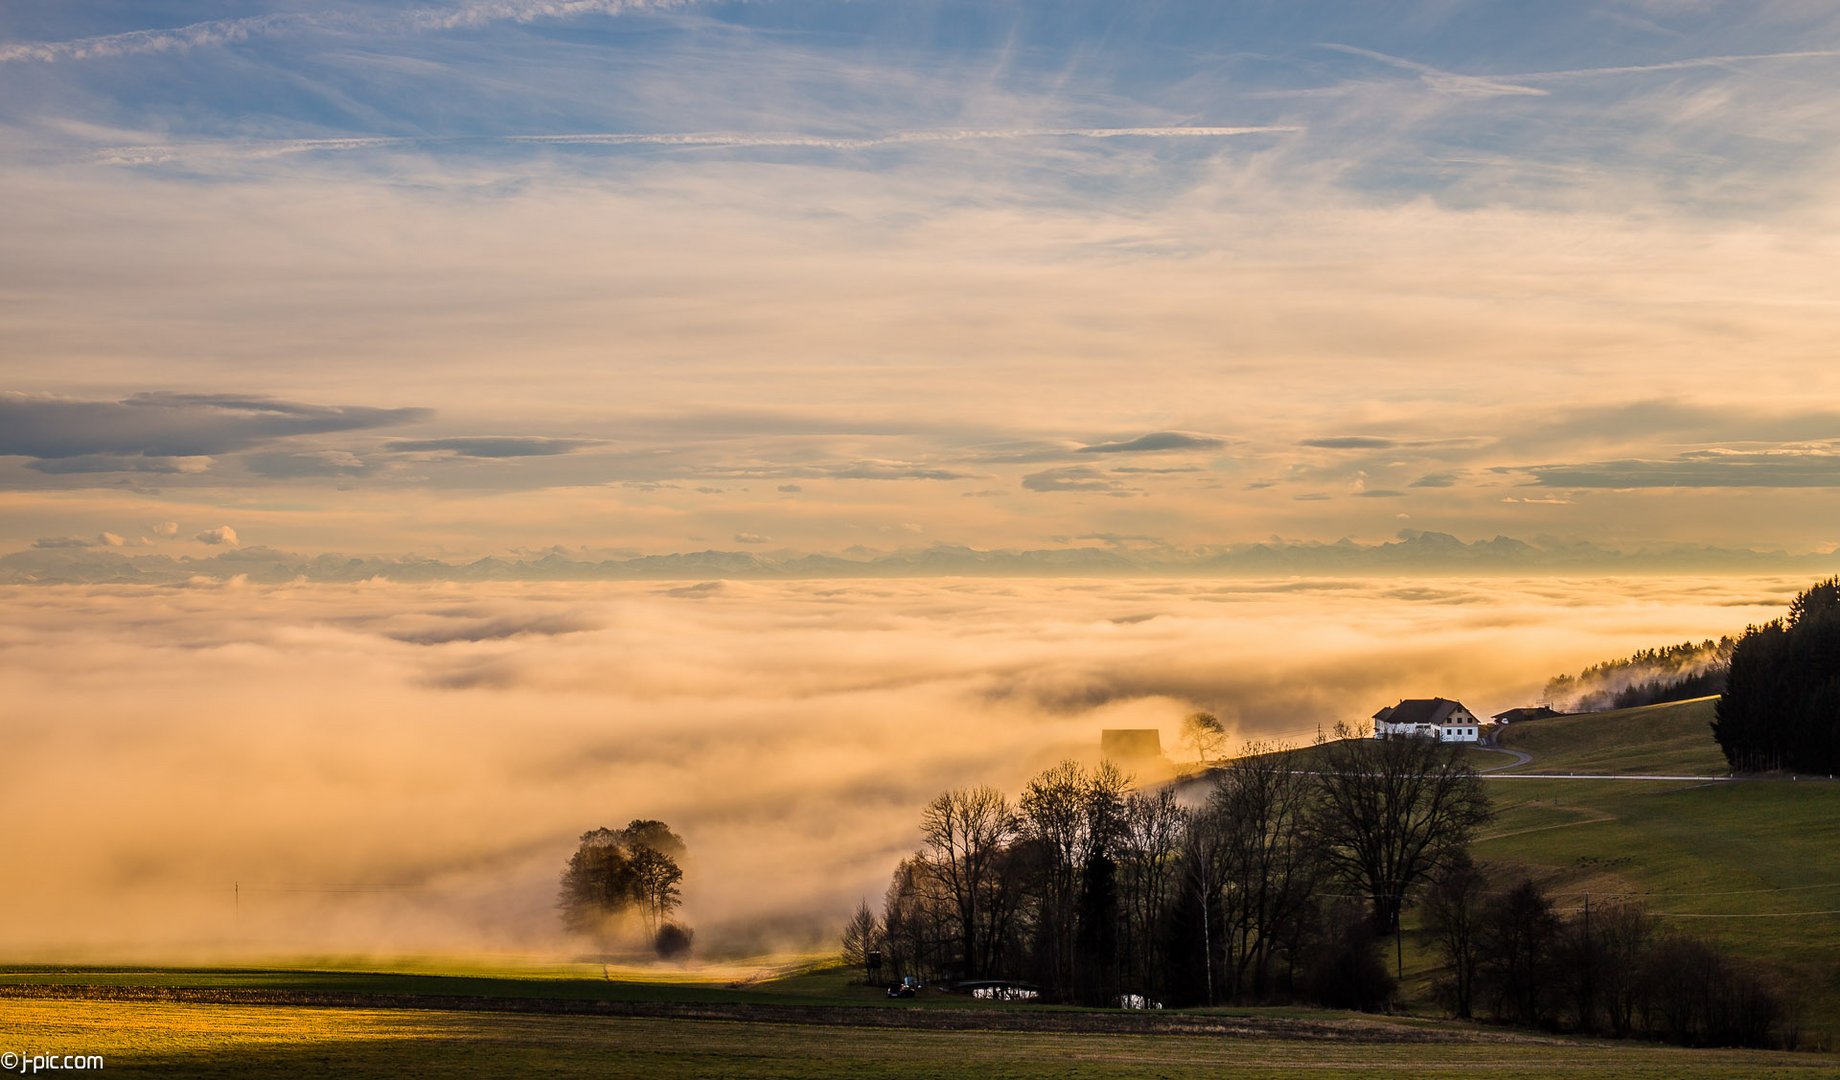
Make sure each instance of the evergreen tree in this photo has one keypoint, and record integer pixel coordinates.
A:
(1781, 706)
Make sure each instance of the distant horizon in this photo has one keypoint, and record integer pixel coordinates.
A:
(1414, 553)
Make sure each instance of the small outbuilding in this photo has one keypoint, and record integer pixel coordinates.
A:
(1429, 718)
(1531, 712)
(1131, 747)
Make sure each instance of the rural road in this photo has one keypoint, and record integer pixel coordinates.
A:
(1520, 758)
(1491, 775)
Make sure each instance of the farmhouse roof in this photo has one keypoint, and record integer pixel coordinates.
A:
(1435, 710)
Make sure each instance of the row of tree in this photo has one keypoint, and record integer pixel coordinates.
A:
(1781, 706)
(1512, 955)
(1279, 886)
(1646, 677)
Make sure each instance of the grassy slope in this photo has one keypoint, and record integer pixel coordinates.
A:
(1674, 739)
(1736, 850)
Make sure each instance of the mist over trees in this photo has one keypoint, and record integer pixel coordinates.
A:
(1781, 706)
(1089, 892)
(1647, 677)
(619, 876)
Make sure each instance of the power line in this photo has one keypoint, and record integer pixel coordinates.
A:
(378, 888)
(1727, 892)
(1742, 915)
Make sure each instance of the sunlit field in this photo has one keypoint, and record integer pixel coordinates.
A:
(237, 1040)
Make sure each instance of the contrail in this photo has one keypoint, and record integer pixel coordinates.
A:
(1679, 65)
(1451, 82)
(228, 31)
(1448, 82)
(826, 142)
(166, 153)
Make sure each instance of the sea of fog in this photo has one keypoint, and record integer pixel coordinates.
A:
(226, 770)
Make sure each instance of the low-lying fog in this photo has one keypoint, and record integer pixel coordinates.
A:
(208, 772)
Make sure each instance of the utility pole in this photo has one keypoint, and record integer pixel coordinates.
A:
(1590, 961)
(1399, 948)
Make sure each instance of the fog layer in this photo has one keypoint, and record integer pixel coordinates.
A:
(229, 770)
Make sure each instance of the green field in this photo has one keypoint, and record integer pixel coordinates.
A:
(1673, 739)
(1751, 863)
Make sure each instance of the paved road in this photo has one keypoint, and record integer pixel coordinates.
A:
(1729, 779)
(1492, 775)
(1520, 759)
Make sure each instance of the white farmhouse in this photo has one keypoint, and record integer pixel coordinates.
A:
(1431, 718)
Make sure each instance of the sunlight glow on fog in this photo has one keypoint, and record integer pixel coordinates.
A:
(397, 768)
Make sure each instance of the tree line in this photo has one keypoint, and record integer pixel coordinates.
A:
(1280, 885)
(1781, 705)
(1608, 969)
(1286, 881)
(1646, 677)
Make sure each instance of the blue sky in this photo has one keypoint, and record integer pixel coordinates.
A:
(658, 276)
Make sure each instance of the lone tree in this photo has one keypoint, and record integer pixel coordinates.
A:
(1204, 732)
(616, 872)
(1392, 811)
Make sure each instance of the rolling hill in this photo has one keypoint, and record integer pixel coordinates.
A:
(1752, 863)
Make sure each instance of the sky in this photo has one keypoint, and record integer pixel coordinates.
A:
(934, 384)
(635, 277)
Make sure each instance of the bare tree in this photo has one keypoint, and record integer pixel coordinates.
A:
(1621, 933)
(1455, 908)
(1204, 857)
(1149, 851)
(1391, 811)
(862, 938)
(1519, 954)
(967, 831)
(1204, 732)
(918, 927)
(1070, 817)
(1261, 802)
